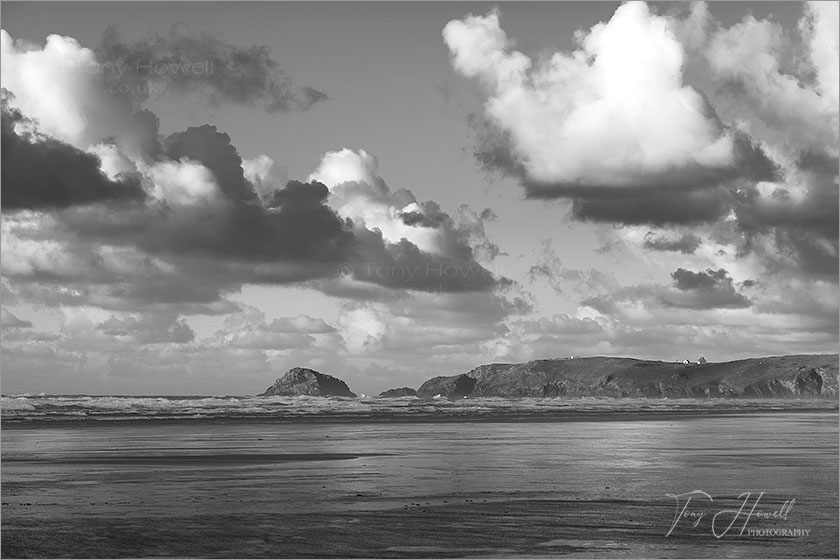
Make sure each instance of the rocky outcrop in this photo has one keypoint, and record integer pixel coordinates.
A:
(396, 393)
(303, 381)
(454, 387)
(803, 376)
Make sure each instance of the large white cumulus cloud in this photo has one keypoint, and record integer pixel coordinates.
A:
(615, 112)
(358, 192)
(59, 85)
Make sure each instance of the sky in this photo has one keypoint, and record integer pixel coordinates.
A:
(199, 196)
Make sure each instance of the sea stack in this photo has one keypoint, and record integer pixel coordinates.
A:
(396, 393)
(304, 381)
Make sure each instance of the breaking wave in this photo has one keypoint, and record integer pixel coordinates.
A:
(26, 409)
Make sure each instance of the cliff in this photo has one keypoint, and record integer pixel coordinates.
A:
(454, 387)
(806, 376)
(303, 381)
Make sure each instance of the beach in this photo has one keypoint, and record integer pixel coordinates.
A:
(578, 488)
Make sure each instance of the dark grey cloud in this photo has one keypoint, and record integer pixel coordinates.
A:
(182, 62)
(216, 152)
(686, 280)
(803, 220)
(297, 225)
(814, 208)
(652, 206)
(190, 256)
(404, 265)
(145, 140)
(45, 173)
(813, 253)
(686, 244)
(711, 289)
(420, 219)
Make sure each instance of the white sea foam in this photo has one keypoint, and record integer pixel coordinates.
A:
(27, 408)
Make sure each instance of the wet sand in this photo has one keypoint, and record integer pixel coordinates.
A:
(579, 489)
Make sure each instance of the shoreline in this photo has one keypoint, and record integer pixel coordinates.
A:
(428, 418)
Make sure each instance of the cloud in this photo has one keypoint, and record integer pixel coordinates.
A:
(44, 173)
(358, 192)
(203, 232)
(215, 151)
(197, 220)
(451, 328)
(690, 22)
(686, 244)
(775, 196)
(793, 223)
(403, 242)
(649, 320)
(781, 88)
(655, 208)
(712, 289)
(610, 120)
(248, 329)
(184, 63)
(183, 183)
(264, 174)
(294, 225)
(148, 329)
(197, 209)
(557, 336)
(822, 27)
(119, 350)
(549, 266)
(9, 320)
(209, 209)
(471, 225)
(45, 263)
(300, 324)
(53, 86)
(686, 280)
(752, 62)
(361, 327)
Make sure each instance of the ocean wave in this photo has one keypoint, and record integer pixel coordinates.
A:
(51, 408)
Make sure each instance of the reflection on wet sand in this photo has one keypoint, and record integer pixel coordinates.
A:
(245, 489)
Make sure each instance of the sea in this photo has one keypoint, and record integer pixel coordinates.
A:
(274, 477)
